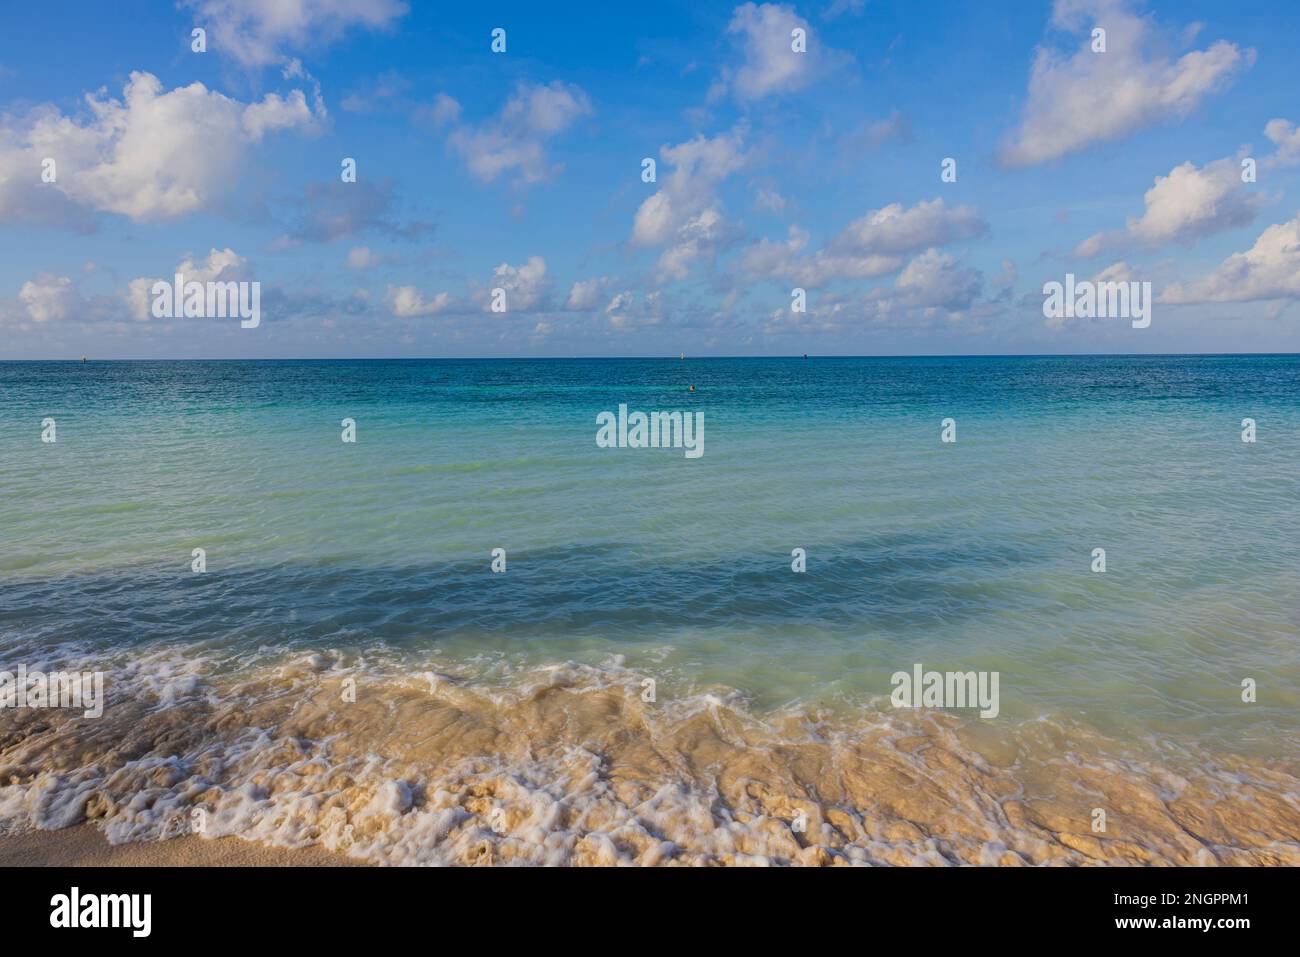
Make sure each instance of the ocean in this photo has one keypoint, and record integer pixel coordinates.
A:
(644, 677)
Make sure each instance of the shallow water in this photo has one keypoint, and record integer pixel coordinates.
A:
(328, 561)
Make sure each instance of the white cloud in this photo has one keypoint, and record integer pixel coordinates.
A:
(1286, 137)
(625, 311)
(524, 285)
(1116, 272)
(258, 32)
(583, 295)
(1187, 204)
(894, 229)
(545, 110)
(275, 113)
(139, 299)
(221, 265)
(1269, 270)
(786, 261)
(696, 238)
(768, 64)
(152, 155)
(407, 301)
(873, 245)
(48, 297)
(516, 138)
(935, 279)
(1193, 202)
(933, 288)
(684, 212)
(1076, 101)
(619, 303)
(1120, 272)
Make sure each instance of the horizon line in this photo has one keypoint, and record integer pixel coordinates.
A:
(677, 358)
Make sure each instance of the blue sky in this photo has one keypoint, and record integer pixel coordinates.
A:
(522, 171)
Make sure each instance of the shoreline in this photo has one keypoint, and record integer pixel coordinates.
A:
(317, 761)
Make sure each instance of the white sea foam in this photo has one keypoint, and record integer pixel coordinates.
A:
(566, 764)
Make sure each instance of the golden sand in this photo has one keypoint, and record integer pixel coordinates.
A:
(569, 766)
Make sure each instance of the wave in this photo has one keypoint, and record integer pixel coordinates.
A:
(397, 763)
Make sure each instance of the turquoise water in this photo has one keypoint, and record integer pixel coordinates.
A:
(972, 555)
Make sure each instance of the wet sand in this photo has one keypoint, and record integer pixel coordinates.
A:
(315, 760)
(85, 846)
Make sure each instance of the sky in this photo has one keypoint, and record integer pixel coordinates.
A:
(126, 156)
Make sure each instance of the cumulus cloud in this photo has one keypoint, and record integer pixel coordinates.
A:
(220, 265)
(1269, 270)
(789, 262)
(1119, 272)
(768, 64)
(1286, 137)
(626, 311)
(619, 303)
(1077, 100)
(870, 246)
(894, 229)
(936, 280)
(407, 301)
(1187, 204)
(1192, 202)
(152, 155)
(698, 237)
(684, 213)
(48, 297)
(585, 294)
(257, 32)
(933, 288)
(524, 285)
(515, 139)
